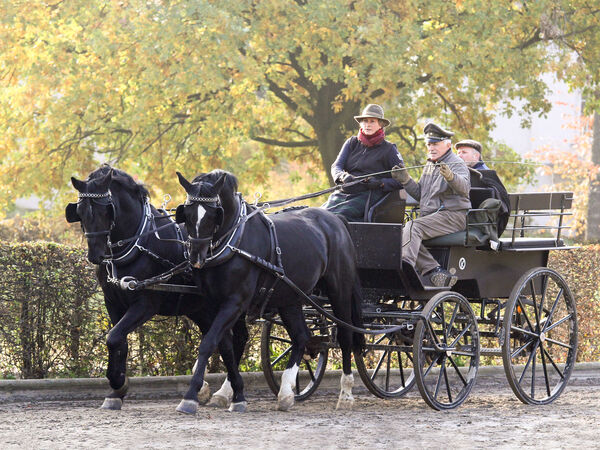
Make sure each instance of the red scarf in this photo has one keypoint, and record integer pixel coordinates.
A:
(374, 139)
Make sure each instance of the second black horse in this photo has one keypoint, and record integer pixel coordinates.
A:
(240, 258)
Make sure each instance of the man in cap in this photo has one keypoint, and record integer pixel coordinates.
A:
(470, 152)
(443, 194)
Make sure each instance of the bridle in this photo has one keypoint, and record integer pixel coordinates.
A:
(190, 200)
(98, 199)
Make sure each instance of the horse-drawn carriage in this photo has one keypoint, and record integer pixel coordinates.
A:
(507, 303)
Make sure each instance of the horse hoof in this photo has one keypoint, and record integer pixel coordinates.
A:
(218, 401)
(238, 407)
(204, 394)
(187, 407)
(284, 403)
(345, 404)
(113, 403)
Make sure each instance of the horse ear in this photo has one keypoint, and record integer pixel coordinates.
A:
(219, 183)
(71, 213)
(78, 184)
(179, 215)
(185, 183)
(106, 179)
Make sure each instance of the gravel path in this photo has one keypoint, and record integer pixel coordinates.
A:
(491, 417)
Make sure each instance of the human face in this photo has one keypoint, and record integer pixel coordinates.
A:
(435, 150)
(469, 155)
(370, 125)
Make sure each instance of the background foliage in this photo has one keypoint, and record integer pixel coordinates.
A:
(162, 85)
(53, 322)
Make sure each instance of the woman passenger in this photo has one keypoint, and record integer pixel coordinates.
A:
(368, 152)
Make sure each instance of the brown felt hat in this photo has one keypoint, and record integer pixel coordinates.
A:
(374, 111)
(468, 143)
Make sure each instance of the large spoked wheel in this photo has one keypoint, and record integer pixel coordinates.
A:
(386, 364)
(446, 351)
(539, 336)
(276, 347)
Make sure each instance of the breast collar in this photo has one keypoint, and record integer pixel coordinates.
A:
(222, 251)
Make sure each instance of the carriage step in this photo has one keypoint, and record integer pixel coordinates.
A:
(491, 351)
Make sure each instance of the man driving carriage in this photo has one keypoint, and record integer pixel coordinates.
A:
(443, 195)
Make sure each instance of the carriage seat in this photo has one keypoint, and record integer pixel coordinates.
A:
(389, 209)
(480, 226)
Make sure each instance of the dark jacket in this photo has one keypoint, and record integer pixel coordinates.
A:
(357, 159)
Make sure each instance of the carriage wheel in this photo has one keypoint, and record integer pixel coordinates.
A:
(446, 351)
(539, 336)
(276, 347)
(386, 364)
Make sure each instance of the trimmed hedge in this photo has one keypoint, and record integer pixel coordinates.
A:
(53, 322)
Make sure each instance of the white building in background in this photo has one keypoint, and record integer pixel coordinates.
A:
(552, 130)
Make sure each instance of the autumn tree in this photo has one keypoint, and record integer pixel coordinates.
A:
(163, 85)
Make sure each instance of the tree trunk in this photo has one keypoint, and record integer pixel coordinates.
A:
(592, 232)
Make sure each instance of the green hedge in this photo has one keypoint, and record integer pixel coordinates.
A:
(53, 322)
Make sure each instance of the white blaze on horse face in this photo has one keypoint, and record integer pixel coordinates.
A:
(288, 381)
(201, 213)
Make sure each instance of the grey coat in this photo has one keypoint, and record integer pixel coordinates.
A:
(435, 193)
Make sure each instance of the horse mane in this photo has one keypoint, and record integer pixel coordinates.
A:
(123, 179)
(230, 185)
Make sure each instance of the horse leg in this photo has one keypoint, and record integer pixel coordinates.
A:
(293, 320)
(221, 325)
(339, 298)
(223, 397)
(116, 341)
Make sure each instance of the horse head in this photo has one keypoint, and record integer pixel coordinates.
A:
(97, 208)
(203, 212)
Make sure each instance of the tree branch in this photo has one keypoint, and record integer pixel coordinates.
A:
(293, 144)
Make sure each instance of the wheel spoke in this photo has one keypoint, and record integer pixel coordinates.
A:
(276, 360)
(558, 371)
(439, 378)
(401, 367)
(535, 305)
(561, 344)
(453, 317)
(378, 366)
(527, 364)
(310, 370)
(524, 313)
(554, 305)
(555, 324)
(280, 339)
(518, 351)
(533, 370)
(448, 390)
(462, 333)
(457, 369)
(435, 360)
(524, 331)
(387, 372)
(546, 378)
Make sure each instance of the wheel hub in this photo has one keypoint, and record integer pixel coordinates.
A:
(543, 337)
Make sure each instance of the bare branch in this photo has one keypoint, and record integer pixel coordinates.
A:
(309, 143)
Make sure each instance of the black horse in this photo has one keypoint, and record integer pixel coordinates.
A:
(241, 257)
(130, 239)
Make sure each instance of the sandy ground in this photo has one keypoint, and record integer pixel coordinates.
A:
(491, 417)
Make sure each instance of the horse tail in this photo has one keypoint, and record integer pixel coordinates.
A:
(358, 339)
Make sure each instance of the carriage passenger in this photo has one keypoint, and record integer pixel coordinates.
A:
(368, 152)
(469, 151)
(443, 194)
